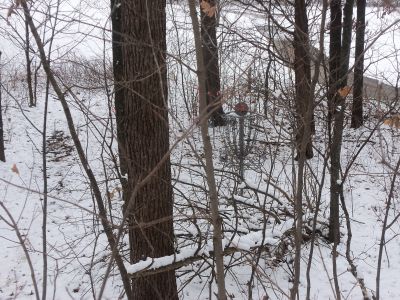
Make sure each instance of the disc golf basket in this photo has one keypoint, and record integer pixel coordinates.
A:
(240, 136)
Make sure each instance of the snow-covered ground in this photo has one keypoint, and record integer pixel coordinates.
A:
(258, 211)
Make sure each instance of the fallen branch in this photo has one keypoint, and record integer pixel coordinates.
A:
(246, 243)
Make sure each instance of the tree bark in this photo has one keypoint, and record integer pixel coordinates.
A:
(304, 111)
(118, 76)
(357, 109)
(117, 41)
(302, 68)
(143, 119)
(210, 55)
(335, 46)
(32, 101)
(335, 102)
(346, 41)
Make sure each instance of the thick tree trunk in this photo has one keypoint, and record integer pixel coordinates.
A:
(302, 68)
(144, 122)
(357, 109)
(2, 154)
(210, 56)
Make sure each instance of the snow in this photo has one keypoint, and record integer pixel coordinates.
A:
(155, 263)
(77, 249)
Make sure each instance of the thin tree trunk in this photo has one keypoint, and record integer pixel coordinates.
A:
(28, 66)
(339, 52)
(336, 111)
(339, 65)
(210, 56)
(334, 101)
(385, 227)
(357, 109)
(304, 108)
(144, 121)
(335, 45)
(209, 165)
(45, 190)
(44, 160)
(2, 154)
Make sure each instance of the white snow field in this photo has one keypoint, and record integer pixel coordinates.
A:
(257, 212)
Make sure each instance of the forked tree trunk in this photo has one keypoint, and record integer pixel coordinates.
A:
(357, 109)
(210, 56)
(144, 122)
(339, 58)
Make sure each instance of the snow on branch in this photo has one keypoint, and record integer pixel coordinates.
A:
(190, 254)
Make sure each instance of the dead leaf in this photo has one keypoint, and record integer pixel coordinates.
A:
(114, 192)
(208, 9)
(14, 169)
(393, 121)
(344, 91)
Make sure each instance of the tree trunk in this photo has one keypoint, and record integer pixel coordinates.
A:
(335, 45)
(357, 109)
(119, 87)
(302, 68)
(32, 101)
(304, 112)
(81, 153)
(346, 40)
(144, 122)
(336, 110)
(2, 154)
(216, 218)
(210, 56)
